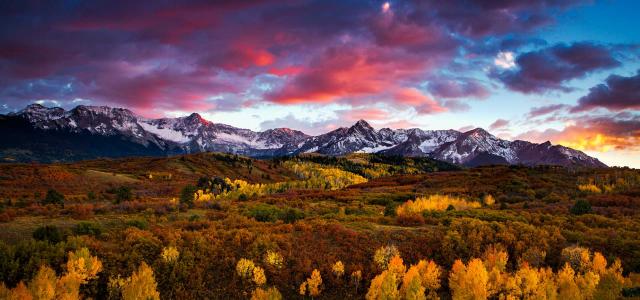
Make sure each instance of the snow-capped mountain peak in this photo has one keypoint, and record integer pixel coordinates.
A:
(193, 133)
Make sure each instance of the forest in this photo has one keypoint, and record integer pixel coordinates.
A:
(362, 226)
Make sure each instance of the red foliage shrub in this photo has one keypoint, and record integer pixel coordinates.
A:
(410, 220)
(7, 215)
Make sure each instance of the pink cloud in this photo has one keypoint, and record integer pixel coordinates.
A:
(499, 124)
(368, 114)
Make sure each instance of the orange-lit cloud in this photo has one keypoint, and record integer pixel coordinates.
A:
(596, 142)
(593, 134)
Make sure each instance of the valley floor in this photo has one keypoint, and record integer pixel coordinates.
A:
(363, 226)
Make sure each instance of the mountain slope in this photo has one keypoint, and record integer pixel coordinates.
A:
(38, 133)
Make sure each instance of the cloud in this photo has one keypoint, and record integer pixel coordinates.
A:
(466, 128)
(551, 68)
(457, 88)
(306, 126)
(478, 18)
(356, 74)
(545, 110)
(368, 114)
(595, 133)
(165, 55)
(499, 124)
(616, 94)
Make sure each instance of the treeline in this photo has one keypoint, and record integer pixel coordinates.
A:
(312, 176)
(583, 275)
(373, 166)
(618, 180)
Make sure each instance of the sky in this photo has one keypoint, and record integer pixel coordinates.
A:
(567, 71)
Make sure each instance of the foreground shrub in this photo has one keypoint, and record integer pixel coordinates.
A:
(87, 228)
(581, 207)
(270, 213)
(53, 197)
(48, 233)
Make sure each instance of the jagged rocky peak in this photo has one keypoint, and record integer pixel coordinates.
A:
(38, 111)
(362, 124)
(284, 132)
(363, 129)
(478, 132)
(197, 118)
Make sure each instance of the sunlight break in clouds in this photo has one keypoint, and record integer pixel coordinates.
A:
(386, 7)
(505, 60)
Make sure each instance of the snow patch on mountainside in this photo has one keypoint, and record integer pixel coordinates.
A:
(375, 149)
(165, 133)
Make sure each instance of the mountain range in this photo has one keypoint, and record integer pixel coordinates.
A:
(43, 134)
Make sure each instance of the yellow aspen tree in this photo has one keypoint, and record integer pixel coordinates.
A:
(528, 282)
(383, 255)
(82, 265)
(611, 283)
(141, 285)
(468, 282)
(302, 290)
(314, 282)
(5, 293)
(457, 278)
(43, 285)
(338, 269)
(430, 277)
(577, 257)
(244, 268)
(495, 262)
(477, 278)
(383, 286)
(396, 266)
(259, 277)
(68, 287)
(488, 200)
(375, 287)
(587, 283)
(271, 293)
(389, 288)
(547, 284)
(274, 259)
(20, 292)
(495, 259)
(567, 287)
(599, 263)
(170, 254)
(509, 288)
(412, 288)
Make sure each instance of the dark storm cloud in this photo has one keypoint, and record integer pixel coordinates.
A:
(617, 93)
(550, 68)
